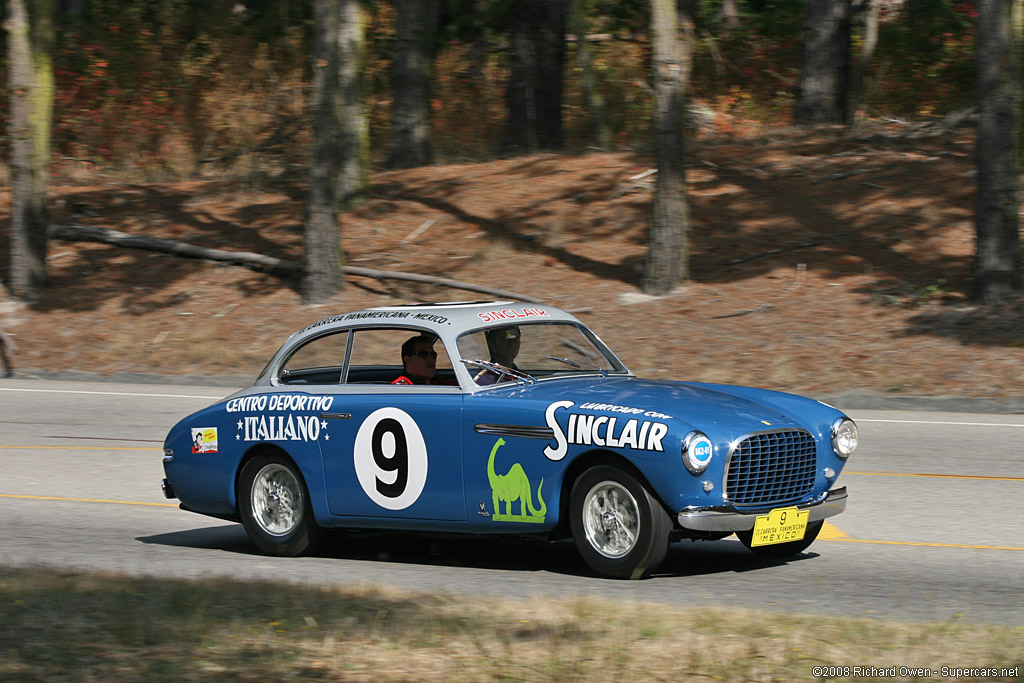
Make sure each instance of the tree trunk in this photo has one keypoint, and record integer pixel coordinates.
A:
(869, 11)
(323, 259)
(595, 102)
(536, 74)
(729, 15)
(667, 255)
(416, 29)
(686, 11)
(31, 38)
(822, 86)
(355, 134)
(997, 262)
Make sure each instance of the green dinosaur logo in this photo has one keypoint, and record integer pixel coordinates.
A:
(511, 487)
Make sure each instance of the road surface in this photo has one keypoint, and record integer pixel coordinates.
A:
(934, 529)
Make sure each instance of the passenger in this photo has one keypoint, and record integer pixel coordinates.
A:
(503, 345)
(419, 362)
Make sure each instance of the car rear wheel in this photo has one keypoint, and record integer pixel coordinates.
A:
(620, 530)
(783, 549)
(275, 506)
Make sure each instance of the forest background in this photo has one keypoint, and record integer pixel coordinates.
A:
(188, 102)
(168, 90)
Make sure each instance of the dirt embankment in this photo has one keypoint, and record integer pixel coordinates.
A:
(819, 265)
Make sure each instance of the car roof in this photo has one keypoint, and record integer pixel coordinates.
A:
(447, 321)
(443, 319)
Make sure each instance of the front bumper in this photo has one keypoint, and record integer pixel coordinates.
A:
(728, 518)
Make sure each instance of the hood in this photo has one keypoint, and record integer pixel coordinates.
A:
(706, 407)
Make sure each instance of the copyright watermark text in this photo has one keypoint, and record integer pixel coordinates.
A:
(953, 672)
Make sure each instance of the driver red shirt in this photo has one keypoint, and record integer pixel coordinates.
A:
(405, 379)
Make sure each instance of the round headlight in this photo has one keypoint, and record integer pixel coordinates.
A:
(844, 437)
(697, 452)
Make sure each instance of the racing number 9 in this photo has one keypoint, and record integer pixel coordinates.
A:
(396, 461)
(390, 458)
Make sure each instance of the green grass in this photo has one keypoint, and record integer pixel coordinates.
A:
(105, 627)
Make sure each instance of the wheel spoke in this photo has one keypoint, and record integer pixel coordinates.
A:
(611, 519)
(277, 499)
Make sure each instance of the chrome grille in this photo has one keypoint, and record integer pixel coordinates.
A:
(770, 467)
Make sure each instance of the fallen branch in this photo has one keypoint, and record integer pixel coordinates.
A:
(419, 231)
(798, 280)
(87, 233)
(759, 309)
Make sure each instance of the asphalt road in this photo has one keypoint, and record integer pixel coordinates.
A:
(934, 529)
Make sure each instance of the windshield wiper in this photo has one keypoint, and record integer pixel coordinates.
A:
(577, 365)
(499, 370)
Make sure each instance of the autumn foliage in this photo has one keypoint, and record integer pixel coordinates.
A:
(179, 89)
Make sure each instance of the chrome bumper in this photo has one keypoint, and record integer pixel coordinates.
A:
(727, 518)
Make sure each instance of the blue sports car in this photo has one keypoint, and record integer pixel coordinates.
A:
(504, 418)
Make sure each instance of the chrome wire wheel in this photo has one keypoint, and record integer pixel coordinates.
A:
(611, 519)
(277, 499)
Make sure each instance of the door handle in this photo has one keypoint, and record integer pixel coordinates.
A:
(335, 416)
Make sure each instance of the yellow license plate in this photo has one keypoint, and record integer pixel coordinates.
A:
(781, 525)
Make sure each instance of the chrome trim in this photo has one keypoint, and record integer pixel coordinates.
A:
(729, 518)
(335, 416)
(524, 431)
(736, 444)
(168, 455)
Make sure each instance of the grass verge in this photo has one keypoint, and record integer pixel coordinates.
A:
(105, 627)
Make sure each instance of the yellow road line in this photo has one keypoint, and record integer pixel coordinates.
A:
(80, 448)
(936, 476)
(830, 532)
(88, 500)
(925, 545)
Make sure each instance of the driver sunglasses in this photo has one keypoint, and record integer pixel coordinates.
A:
(425, 354)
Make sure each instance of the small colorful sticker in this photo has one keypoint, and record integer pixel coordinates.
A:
(204, 439)
(701, 450)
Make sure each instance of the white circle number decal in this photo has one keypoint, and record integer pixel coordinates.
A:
(391, 458)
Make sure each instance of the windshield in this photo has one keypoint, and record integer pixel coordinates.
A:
(536, 349)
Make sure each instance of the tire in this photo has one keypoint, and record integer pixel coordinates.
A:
(783, 549)
(275, 507)
(619, 528)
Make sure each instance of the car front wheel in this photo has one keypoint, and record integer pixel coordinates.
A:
(275, 506)
(783, 549)
(619, 528)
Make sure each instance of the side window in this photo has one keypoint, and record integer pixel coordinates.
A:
(316, 362)
(377, 357)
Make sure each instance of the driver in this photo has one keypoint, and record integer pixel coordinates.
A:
(419, 362)
(503, 345)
